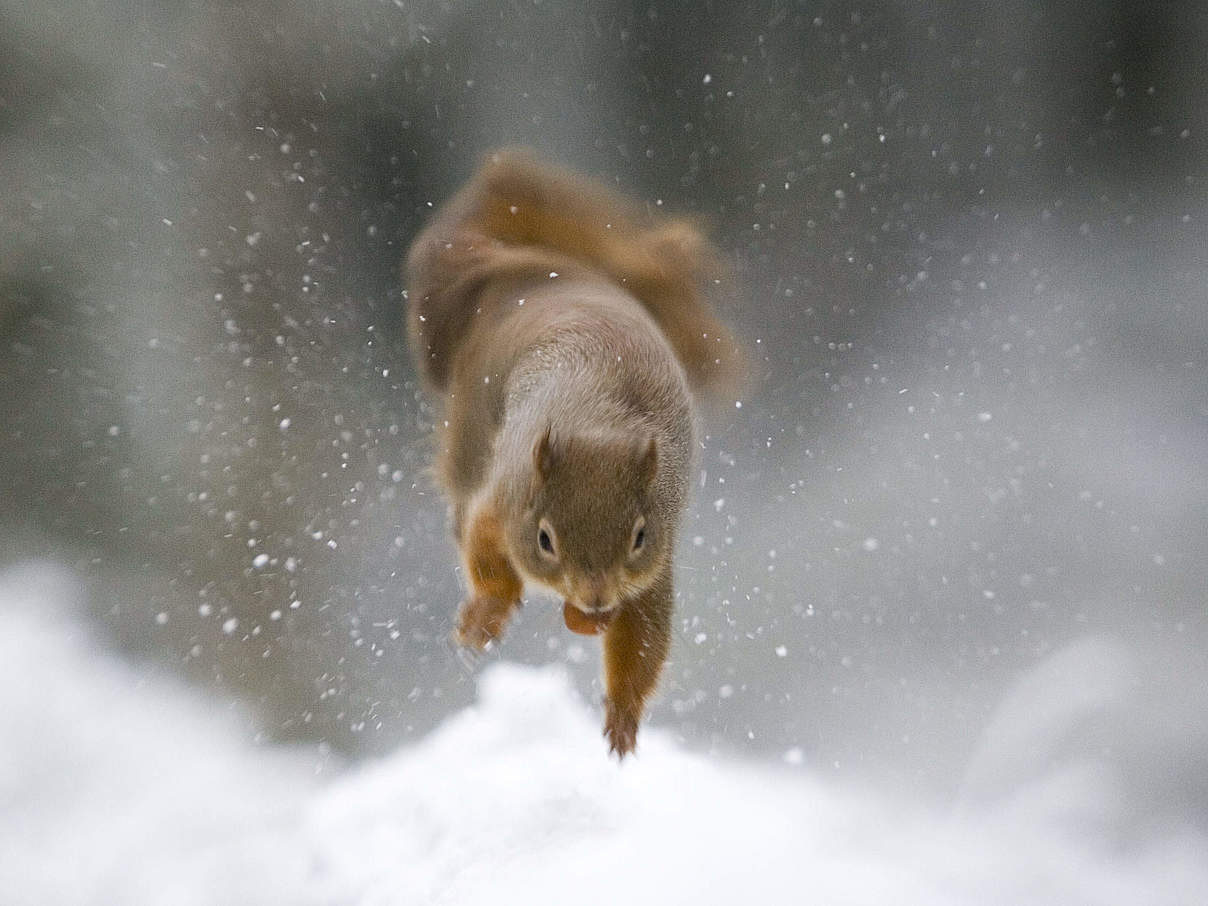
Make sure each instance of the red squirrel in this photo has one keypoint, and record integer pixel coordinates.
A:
(566, 333)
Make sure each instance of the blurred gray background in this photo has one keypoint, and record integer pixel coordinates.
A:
(971, 264)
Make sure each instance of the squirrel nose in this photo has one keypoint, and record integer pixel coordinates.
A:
(596, 597)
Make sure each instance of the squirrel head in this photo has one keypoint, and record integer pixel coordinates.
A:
(593, 529)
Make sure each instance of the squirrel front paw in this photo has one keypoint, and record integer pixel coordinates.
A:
(481, 620)
(621, 727)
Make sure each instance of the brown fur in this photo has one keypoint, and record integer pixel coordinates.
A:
(565, 333)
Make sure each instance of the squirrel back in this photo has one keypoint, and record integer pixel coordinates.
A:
(519, 219)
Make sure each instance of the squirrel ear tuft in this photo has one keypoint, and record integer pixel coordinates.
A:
(648, 465)
(543, 453)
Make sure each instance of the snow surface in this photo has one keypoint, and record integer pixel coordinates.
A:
(121, 787)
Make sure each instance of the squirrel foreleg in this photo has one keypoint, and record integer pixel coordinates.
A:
(494, 585)
(635, 647)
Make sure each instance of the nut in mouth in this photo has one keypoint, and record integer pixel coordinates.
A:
(586, 623)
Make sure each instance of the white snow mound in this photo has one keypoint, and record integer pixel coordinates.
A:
(114, 789)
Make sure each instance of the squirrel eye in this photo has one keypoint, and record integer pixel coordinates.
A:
(639, 535)
(544, 541)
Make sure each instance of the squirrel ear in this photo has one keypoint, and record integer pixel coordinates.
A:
(543, 453)
(648, 465)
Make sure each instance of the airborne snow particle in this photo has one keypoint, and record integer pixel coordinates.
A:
(230, 625)
(870, 544)
(260, 561)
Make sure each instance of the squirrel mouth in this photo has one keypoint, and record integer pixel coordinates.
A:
(586, 623)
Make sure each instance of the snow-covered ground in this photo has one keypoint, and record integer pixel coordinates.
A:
(119, 787)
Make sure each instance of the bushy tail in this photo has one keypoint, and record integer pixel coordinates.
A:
(518, 214)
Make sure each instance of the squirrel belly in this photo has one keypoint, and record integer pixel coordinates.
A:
(565, 340)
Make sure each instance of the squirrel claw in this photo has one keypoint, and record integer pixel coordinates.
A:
(620, 729)
(480, 621)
